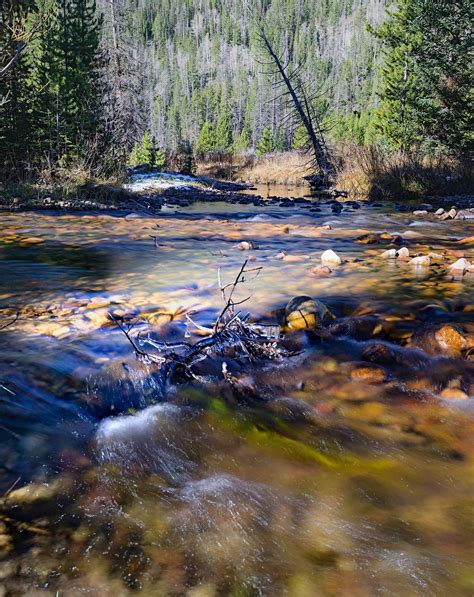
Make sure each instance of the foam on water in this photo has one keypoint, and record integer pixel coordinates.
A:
(160, 181)
(149, 441)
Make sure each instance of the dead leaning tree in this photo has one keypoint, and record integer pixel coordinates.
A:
(304, 110)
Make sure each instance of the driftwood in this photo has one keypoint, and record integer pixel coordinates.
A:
(232, 334)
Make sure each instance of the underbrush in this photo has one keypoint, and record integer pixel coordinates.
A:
(276, 168)
(375, 174)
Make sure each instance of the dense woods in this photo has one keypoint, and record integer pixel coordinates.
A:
(101, 83)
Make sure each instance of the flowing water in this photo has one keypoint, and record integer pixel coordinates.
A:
(345, 469)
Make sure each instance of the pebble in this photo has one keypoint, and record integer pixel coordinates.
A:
(330, 256)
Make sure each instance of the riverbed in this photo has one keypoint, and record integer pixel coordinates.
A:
(343, 468)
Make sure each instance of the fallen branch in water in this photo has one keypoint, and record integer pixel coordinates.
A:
(231, 334)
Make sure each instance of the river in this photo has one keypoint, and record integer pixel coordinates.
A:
(343, 469)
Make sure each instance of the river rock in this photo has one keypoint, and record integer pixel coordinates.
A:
(368, 239)
(421, 261)
(390, 254)
(454, 394)
(321, 270)
(303, 312)
(403, 253)
(460, 266)
(330, 257)
(452, 213)
(439, 212)
(369, 374)
(420, 212)
(445, 339)
(247, 245)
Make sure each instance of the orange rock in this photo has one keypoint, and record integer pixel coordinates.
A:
(371, 375)
(454, 394)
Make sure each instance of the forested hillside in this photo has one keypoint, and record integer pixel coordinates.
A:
(203, 62)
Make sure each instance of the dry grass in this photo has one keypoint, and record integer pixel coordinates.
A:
(372, 173)
(288, 168)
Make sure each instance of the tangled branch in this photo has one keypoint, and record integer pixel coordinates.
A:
(231, 334)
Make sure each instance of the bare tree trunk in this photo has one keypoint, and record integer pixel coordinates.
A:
(305, 114)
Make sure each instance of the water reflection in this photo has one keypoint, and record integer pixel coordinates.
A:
(340, 471)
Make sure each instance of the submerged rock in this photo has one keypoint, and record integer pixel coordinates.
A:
(303, 312)
(369, 374)
(445, 339)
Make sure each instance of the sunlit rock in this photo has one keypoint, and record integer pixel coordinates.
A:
(330, 257)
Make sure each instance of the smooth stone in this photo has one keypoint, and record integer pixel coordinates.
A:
(460, 266)
(444, 339)
(371, 375)
(454, 394)
(321, 270)
(439, 212)
(420, 212)
(390, 254)
(330, 256)
(422, 261)
(246, 245)
(452, 213)
(403, 253)
(303, 312)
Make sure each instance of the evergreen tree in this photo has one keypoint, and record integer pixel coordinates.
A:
(224, 138)
(68, 96)
(265, 144)
(206, 139)
(427, 79)
(147, 153)
(159, 159)
(135, 156)
(300, 138)
(242, 142)
(15, 121)
(397, 118)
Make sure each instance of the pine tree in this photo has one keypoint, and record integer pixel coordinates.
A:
(159, 159)
(265, 144)
(206, 140)
(15, 121)
(397, 117)
(147, 153)
(135, 156)
(300, 138)
(224, 137)
(242, 142)
(68, 98)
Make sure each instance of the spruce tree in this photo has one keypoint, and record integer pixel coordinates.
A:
(68, 98)
(300, 138)
(206, 140)
(15, 90)
(265, 144)
(224, 138)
